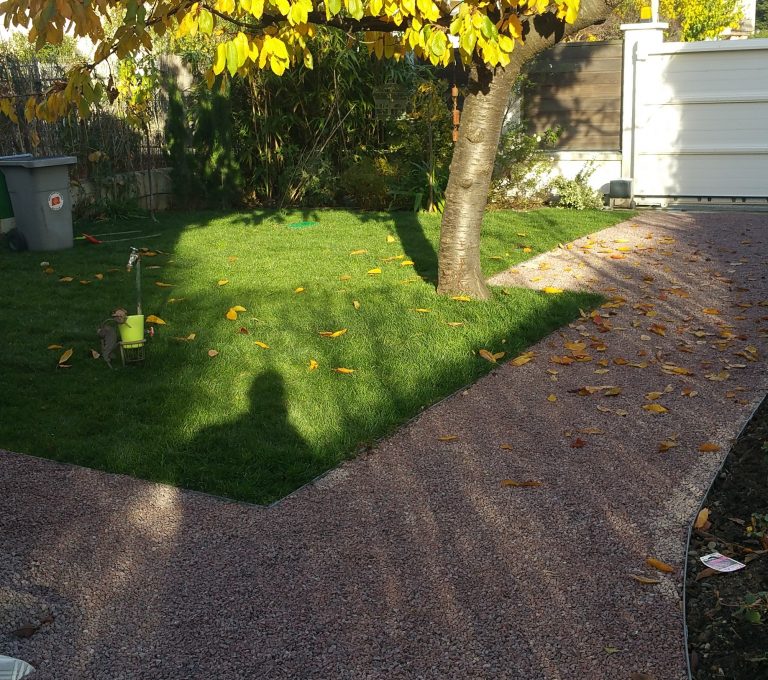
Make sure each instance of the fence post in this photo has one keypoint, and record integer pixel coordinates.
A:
(637, 39)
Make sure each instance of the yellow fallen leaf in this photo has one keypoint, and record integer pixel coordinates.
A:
(499, 355)
(719, 377)
(577, 347)
(454, 324)
(645, 580)
(552, 398)
(527, 482)
(361, 251)
(313, 364)
(652, 396)
(65, 356)
(298, 290)
(658, 329)
(506, 447)
(161, 284)
(390, 238)
(688, 392)
(522, 359)
(526, 249)
(223, 282)
(702, 518)
(708, 447)
(659, 565)
(100, 277)
(155, 319)
(666, 445)
(488, 356)
(94, 354)
(355, 304)
(655, 408)
(66, 279)
(261, 344)
(461, 298)
(55, 346)
(231, 315)
(345, 277)
(333, 334)
(711, 310)
(422, 310)
(238, 308)
(448, 438)
(407, 263)
(346, 371)
(551, 290)
(521, 234)
(374, 271)
(675, 370)
(563, 361)
(213, 353)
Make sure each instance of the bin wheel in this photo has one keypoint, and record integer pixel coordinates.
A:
(16, 241)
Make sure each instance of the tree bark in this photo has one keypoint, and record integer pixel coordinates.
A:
(466, 196)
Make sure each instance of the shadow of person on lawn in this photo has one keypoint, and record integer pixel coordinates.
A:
(260, 447)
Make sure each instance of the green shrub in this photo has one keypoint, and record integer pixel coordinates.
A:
(576, 193)
(368, 181)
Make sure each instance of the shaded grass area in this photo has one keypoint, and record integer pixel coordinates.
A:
(254, 423)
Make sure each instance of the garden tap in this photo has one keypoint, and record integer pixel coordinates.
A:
(133, 258)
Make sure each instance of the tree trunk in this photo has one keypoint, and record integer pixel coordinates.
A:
(473, 156)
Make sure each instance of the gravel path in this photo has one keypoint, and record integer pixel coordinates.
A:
(414, 561)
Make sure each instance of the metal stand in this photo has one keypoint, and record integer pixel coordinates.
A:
(132, 352)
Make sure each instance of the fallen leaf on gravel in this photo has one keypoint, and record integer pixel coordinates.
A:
(641, 676)
(658, 329)
(688, 392)
(213, 353)
(611, 650)
(711, 310)
(522, 359)
(563, 361)
(659, 565)
(612, 392)
(719, 377)
(588, 390)
(708, 447)
(702, 518)
(552, 398)
(676, 370)
(655, 408)
(645, 580)
(620, 361)
(591, 430)
(576, 347)
(527, 482)
(26, 631)
(578, 443)
(652, 396)
(448, 438)
(506, 447)
(707, 572)
(667, 444)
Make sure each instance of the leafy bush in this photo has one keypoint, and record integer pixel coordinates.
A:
(576, 193)
(368, 181)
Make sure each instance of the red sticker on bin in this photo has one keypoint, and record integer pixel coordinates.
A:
(55, 201)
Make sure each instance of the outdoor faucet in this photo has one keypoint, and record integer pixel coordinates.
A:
(133, 258)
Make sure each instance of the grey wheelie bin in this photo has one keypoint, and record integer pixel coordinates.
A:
(42, 206)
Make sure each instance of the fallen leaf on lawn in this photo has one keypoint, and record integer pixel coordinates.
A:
(374, 271)
(345, 277)
(298, 290)
(499, 355)
(526, 249)
(66, 356)
(261, 344)
(447, 437)
(564, 361)
(390, 238)
(100, 277)
(173, 300)
(702, 518)
(578, 443)
(655, 408)
(719, 377)
(55, 346)
(488, 356)
(155, 319)
(667, 444)
(361, 251)
(213, 353)
(189, 338)
(522, 359)
(232, 258)
(162, 284)
(422, 310)
(551, 290)
(231, 315)
(709, 447)
(407, 263)
(355, 304)
(338, 333)
(506, 447)
(659, 565)
(527, 482)
(711, 310)
(66, 279)
(461, 298)
(243, 330)
(238, 308)
(645, 580)
(223, 282)
(343, 370)
(454, 324)
(94, 354)
(313, 364)
(552, 398)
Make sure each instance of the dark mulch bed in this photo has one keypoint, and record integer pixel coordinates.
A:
(723, 642)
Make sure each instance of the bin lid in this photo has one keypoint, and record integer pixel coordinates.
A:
(28, 161)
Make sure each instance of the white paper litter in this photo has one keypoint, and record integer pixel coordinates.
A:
(720, 562)
(13, 669)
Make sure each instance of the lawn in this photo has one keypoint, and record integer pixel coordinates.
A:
(254, 422)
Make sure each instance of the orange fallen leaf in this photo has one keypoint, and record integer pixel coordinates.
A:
(213, 353)
(506, 447)
(448, 438)
(676, 370)
(655, 408)
(65, 356)
(488, 356)
(658, 329)
(578, 443)
(709, 447)
(527, 482)
(522, 359)
(644, 579)
(659, 565)
(564, 360)
(688, 392)
(313, 364)
(155, 319)
(575, 346)
(667, 444)
(261, 344)
(702, 518)
(345, 371)
(711, 310)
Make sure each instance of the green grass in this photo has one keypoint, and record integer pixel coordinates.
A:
(253, 423)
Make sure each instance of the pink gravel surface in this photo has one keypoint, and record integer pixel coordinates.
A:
(414, 561)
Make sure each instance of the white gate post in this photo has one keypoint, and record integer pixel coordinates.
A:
(637, 39)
